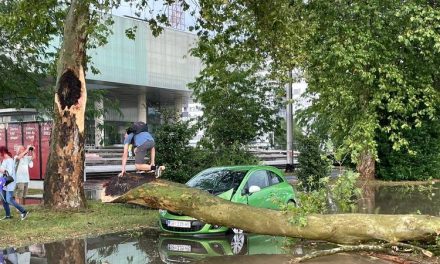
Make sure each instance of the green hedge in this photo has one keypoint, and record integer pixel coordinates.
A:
(423, 164)
(183, 161)
(313, 163)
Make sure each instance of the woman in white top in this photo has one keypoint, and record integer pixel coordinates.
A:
(8, 190)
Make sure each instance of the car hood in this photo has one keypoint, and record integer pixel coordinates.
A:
(225, 195)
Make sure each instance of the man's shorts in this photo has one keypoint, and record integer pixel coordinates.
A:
(21, 190)
(141, 151)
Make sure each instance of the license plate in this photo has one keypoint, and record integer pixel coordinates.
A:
(174, 223)
(180, 248)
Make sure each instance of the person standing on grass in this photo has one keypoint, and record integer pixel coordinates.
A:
(23, 161)
(7, 192)
(143, 142)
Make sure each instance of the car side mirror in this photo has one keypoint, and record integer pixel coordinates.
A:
(244, 191)
(254, 189)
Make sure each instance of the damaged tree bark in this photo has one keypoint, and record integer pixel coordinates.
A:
(63, 182)
(337, 228)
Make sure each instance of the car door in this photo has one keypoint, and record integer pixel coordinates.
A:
(281, 190)
(260, 199)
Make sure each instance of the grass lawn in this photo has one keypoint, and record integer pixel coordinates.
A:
(43, 225)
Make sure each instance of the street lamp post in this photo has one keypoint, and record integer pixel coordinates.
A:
(289, 123)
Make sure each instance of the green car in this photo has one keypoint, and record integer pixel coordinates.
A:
(258, 186)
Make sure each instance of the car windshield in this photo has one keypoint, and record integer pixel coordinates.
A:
(217, 181)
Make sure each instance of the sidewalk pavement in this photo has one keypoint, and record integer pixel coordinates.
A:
(39, 185)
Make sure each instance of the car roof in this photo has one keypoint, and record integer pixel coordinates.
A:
(244, 167)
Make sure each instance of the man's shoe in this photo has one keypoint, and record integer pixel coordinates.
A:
(6, 218)
(24, 215)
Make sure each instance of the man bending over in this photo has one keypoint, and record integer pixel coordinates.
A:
(142, 142)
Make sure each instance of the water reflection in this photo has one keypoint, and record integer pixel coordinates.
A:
(148, 247)
(414, 199)
(69, 251)
(274, 259)
(190, 249)
(129, 248)
(153, 247)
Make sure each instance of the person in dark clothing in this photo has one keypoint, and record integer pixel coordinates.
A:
(143, 142)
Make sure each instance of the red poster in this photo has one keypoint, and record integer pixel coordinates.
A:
(2, 135)
(14, 137)
(31, 135)
(46, 130)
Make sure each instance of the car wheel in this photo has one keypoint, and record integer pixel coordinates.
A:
(238, 244)
(292, 203)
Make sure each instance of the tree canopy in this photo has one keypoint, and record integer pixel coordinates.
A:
(371, 67)
(241, 44)
(22, 60)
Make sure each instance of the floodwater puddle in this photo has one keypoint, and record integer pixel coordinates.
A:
(407, 199)
(154, 247)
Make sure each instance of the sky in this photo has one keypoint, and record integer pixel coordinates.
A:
(157, 6)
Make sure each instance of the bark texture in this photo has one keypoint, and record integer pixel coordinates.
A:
(63, 182)
(70, 251)
(338, 228)
(366, 166)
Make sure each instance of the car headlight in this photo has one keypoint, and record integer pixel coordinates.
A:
(162, 212)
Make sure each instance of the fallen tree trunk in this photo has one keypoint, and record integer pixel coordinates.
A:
(337, 228)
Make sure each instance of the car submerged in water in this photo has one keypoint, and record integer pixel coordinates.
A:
(258, 186)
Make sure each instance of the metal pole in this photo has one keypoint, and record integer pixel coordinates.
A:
(289, 123)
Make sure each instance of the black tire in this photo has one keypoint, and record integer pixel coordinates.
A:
(292, 202)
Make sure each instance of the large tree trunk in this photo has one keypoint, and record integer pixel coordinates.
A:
(366, 166)
(63, 183)
(338, 228)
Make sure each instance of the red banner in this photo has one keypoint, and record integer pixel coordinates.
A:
(14, 137)
(46, 130)
(2, 135)
(31, 137)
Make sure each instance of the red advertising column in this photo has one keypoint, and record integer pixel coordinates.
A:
(31, 135)
(2, 135)
(14, 137)
(46, 130)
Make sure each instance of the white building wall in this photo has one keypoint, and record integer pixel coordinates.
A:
(169, 62)
(148, 61)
